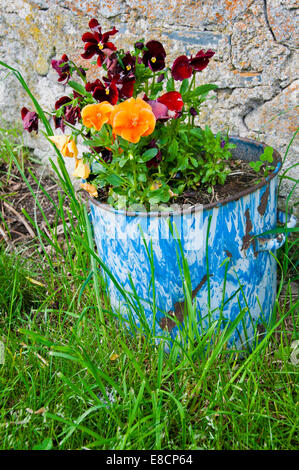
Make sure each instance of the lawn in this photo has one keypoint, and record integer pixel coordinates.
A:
(72, 377)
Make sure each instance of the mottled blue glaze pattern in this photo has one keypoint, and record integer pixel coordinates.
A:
(251, 274)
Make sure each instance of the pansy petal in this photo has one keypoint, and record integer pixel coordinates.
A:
(90, 51)
(63, 100)
(94, 25)
(173, 100)
(24, 111)
(155, 48)
(106, 35)
(89, 37)
(100, 60)
(90, 188)
(81, 170)
(160, 110)
(181, 68)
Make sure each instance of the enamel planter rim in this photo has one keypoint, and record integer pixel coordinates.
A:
(277, 161)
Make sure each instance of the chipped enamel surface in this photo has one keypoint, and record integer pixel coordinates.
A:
(251, 276)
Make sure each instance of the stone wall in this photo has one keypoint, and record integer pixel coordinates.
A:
(256, 64)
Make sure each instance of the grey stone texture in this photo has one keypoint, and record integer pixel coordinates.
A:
(256, 65)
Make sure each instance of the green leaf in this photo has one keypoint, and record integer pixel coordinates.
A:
(194, 162)
(93, 143)
(79, 88)
(256, 166)
(114, 180)
(142, 178)
(98, 168)
(170, 85)
(184, 86)
(203, 89)
(159, 195)
(173, 148)
(47, 444)
(267, 156)
(196, 132)
(149, 154)
(123, 161)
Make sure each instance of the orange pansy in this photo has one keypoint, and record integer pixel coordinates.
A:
(96, 115)
(90, 188)
(133, 119)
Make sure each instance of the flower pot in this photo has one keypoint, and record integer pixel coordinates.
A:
(221, 245)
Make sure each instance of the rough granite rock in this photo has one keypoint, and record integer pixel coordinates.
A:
(256, 65)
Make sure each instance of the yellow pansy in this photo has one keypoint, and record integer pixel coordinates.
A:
(81, 170)
(156, 185)
(90, 188)
(65, 144)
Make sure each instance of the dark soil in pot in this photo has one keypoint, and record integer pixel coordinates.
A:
(240, 178)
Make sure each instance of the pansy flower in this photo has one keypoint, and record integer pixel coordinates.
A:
(173, 101)
(183, 66)
(96, 115)
(65, 144)
(104, 153)
(71, 114)
(59, 123)
(154, 56)
(30, 120)
(167, 106)
(90, 188)
(122, 74)
(125, 87)
(63, 68)
(133, 119)
(102, 92)
(129, 65)
(97, 43)
(160, 110)
(201, 60)
(82, 170)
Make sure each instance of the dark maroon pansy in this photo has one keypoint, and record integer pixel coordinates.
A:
(30, 120)
(113, 65)
(173, 100)
(59, 123)
(103, 152)
(97, 43)
(181, 68)
(154, 162)
(102, 92)
(201, 60)
(82, 71)
(154, 56)
(64, 71)
(193, 111)
(78, 96)
(118, 70)
(129, 64)
(139, 45)
(62, 101)
(72, 114)
(125, 88)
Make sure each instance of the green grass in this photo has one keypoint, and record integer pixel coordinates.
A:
(73, 378)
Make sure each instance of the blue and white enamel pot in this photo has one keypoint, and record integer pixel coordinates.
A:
(211, 236)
